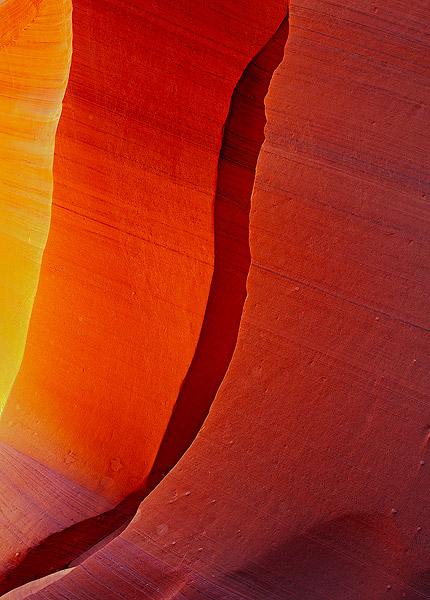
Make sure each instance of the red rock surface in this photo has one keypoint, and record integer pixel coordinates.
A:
(309, 478)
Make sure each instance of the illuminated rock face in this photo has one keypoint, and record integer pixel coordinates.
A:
(33, 75)
(129, 260)
(309, 477)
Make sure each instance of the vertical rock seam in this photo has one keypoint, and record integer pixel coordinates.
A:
(243, 137)
(242, 140)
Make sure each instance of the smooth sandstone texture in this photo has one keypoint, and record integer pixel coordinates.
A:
(35, 50)
(129, 260)
(309, 478)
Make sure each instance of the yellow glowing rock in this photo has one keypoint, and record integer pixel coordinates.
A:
(35, 52)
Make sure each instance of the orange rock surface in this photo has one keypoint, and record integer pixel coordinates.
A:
(35, 49)
(129, 260)
(309, 477)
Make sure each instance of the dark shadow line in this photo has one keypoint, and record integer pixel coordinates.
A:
(242, 140)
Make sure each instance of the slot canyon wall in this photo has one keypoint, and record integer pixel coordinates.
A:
(224, 387)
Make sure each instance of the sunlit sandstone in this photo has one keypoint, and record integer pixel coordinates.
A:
(129, 259)
(35, 49)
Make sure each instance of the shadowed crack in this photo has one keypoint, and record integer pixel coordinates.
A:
(243, 136)
(242, 141)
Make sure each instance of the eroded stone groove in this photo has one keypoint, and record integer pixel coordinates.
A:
(242, 140)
